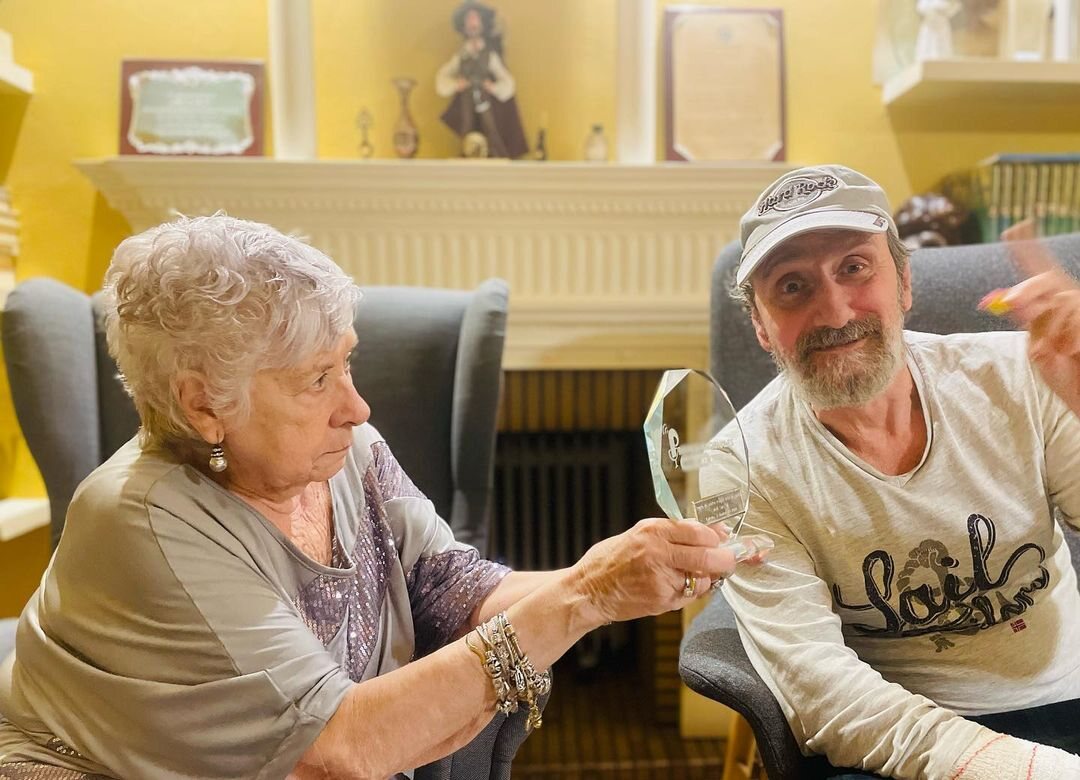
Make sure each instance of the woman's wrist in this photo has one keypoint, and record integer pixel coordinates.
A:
(584, 613)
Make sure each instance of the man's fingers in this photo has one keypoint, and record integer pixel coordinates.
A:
(1056, 332)
(1028, 254)
(1030, 298)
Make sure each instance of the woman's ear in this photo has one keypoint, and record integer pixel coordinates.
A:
(194, 400)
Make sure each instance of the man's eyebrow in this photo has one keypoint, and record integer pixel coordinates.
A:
(784, 255)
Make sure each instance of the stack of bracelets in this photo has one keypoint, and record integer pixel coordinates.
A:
(512, 674)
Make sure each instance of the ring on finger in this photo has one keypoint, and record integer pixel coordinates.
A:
(689, 585)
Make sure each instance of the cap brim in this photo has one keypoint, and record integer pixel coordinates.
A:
(863, 221)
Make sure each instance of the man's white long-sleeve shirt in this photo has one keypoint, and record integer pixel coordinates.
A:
(893, 605)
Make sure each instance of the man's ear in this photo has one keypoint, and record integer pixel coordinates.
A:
(905, 287)
(759, 329)
(192, 396)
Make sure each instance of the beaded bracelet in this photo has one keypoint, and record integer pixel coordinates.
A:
(489, 660)
(528, 682)
(513, 677)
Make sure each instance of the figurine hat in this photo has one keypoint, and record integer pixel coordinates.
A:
(487, 16)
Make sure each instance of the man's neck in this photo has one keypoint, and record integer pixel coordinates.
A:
(889, 431)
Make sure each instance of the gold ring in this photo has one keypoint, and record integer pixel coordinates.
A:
(689, 585)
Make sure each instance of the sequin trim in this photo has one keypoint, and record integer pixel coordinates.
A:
(392, 480)
(330, 601)
(32, 770)
(444, 589)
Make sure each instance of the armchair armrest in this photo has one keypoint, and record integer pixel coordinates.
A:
(712, 662)
(490, 753)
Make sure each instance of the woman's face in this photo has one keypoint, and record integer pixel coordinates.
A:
(300, 427)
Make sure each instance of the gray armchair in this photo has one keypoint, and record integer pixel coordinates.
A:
(947, 284)
(429, 363)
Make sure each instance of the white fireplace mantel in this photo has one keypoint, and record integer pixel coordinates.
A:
(609, 265)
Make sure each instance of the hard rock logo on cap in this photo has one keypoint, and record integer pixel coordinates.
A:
(797, 192)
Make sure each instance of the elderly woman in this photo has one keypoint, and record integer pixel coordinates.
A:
(253, 587)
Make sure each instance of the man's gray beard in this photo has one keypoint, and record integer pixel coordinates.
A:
(849, 379)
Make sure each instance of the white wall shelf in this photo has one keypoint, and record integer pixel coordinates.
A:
(20, 516)
(964, 82)
(9, 245)
(15, 79)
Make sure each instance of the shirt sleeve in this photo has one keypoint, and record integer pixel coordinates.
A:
(447, 579)
(504, 82)
(446, 78)
(835, 703)
(165, 652)
(1061, 440)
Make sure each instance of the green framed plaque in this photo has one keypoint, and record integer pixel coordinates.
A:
(186, 107)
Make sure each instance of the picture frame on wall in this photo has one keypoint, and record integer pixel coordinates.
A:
(724, 84)
(192, 107)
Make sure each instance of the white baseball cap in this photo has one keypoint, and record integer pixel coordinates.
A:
(815, 198)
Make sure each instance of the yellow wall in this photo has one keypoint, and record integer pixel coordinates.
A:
(562, 53)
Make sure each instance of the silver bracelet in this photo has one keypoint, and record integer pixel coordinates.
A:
(514, 679)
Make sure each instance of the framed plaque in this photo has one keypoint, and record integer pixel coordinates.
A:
(175, 107)
(724, 83)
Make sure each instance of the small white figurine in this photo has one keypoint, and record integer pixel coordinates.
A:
(934, 41)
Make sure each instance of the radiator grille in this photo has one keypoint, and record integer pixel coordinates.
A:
(570, 470)
(576, 400)
(556, 494)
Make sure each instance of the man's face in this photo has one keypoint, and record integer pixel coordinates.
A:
(830, 309)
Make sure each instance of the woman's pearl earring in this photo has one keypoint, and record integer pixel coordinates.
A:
(217, 459)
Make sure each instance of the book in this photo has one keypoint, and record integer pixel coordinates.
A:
(1029, 158)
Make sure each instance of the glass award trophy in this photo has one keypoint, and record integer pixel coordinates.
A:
(692, 431)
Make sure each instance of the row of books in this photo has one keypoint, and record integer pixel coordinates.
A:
(1004, 189)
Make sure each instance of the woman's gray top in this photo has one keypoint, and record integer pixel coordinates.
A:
(178, 633)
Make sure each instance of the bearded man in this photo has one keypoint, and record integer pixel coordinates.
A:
(919, 615)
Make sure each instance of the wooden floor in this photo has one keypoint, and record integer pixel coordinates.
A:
(597, 726)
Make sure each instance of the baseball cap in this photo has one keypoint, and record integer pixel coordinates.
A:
(815, 198)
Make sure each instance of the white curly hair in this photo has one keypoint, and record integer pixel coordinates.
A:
(223, 297)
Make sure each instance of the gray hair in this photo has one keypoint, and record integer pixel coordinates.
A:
(222, 297)
(744, 293)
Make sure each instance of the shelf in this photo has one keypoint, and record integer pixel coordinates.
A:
(971, 81)
(609, 264)
(19, 516)
(15, 80)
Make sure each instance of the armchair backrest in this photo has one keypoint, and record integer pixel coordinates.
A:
(429, 363)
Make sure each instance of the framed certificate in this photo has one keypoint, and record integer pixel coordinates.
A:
(724, 83)
(175, 107)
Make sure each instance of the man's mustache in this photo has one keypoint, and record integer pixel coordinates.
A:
(825, 337)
